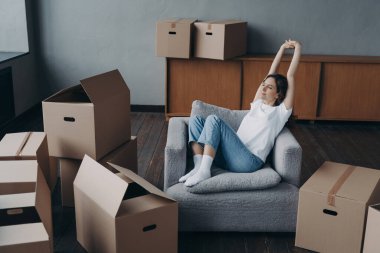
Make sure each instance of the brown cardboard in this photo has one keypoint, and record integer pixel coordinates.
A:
(333, 205)
(25, 208)
(28, 146)
(90, 118)
(122, 212)
(220, 39)
(371, 239)
(125, 156)
(174, 38)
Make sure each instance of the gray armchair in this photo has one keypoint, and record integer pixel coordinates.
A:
(271, 210)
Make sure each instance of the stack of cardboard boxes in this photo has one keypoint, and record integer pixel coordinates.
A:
(183, 38)
(88, 129)
(91, 118)
(25, 200)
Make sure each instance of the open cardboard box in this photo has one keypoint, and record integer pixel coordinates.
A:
(29, 146)
(25, 209)
(90, 118)
(333, 205)
(122, 212)
(124, 156)
(221, 39)
(372, 233)
(174, 38)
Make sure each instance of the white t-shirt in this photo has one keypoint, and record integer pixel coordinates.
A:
(261, 125)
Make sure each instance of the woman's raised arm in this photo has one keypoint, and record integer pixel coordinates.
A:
(288, 101)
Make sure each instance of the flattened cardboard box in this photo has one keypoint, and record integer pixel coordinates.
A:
(90, 118)
(122, 212)
(25, 209)
(372, 232)
(174, 38)
(29, 146)
(220, 40)
(124, 156)
(333, 205)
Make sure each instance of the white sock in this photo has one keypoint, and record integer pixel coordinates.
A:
(197, 163)
(203, 173)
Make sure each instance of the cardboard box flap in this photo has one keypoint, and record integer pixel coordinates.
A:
(17, 200)
(101, 185)
(145, 184)
(18, 171)
(105, 86)
(43, 203)
(12, 144)
(73, 94)
(342, 180)
(33, 143)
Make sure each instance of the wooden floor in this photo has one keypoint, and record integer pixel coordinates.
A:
(352, 143)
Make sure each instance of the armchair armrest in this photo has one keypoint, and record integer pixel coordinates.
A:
(287, 157)
(175, 151)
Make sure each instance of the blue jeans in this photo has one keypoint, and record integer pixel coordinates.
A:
(231, 153)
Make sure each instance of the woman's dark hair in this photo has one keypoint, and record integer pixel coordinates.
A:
(281, 85)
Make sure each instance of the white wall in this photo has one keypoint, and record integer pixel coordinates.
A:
(26, 89)
(13, 28)
(82, 38)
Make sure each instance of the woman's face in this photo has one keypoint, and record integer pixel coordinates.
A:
(268, 91)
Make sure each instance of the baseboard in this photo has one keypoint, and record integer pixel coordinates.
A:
(147, 108)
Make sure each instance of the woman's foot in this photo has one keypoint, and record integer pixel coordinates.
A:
(203, 173)
(198, 177)
(191, 173)
(197, 163)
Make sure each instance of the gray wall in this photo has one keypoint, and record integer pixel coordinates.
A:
(78, 39)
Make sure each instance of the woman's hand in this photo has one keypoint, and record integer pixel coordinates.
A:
(291, 44)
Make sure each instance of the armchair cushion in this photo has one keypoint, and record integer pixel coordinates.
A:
(225, 181)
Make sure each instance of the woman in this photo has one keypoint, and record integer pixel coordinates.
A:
(247, 149)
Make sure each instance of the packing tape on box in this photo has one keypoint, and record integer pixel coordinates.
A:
(338, 184)
(174, 23)
(23, 143)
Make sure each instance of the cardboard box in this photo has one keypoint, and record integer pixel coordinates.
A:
(25, 208)
(333, 205)
(372, 232)
(122, 212)
(125, 156)
(29, 146)
(220, 39)
(174, 38)
(90, 118)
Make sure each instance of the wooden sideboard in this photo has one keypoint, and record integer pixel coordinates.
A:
(327, 87)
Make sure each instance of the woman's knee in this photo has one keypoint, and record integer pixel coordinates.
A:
(213, 118)
(195, 120)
